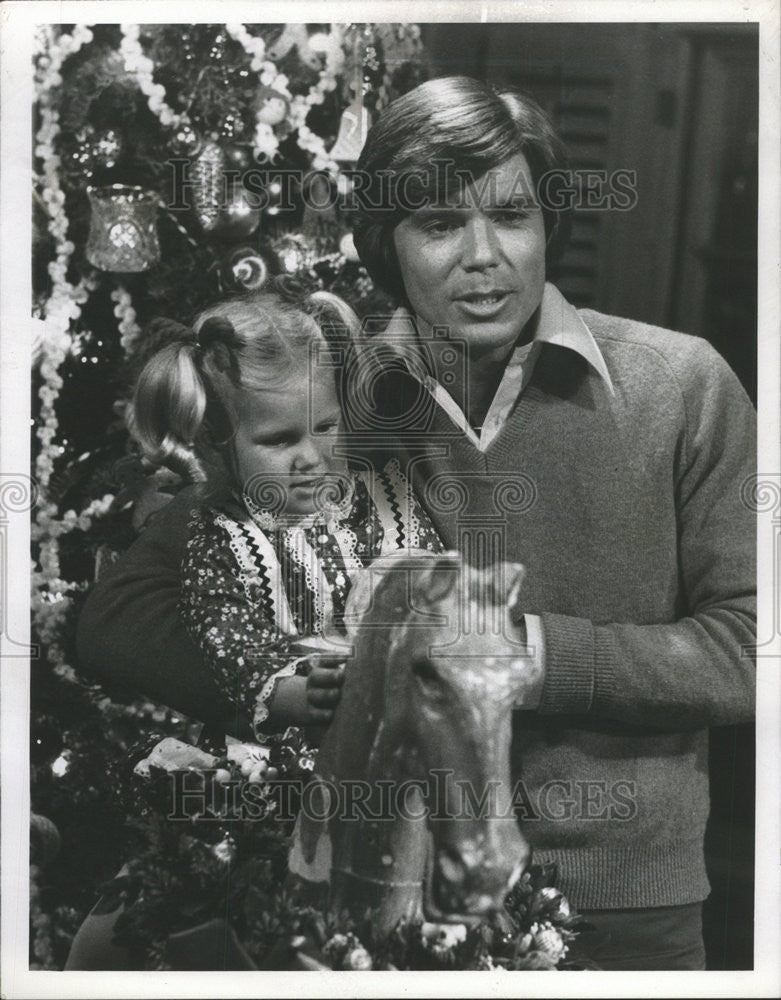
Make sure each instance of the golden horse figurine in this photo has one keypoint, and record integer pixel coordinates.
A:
(409, 812)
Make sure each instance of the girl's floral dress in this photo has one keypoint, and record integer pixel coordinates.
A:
(254, 586)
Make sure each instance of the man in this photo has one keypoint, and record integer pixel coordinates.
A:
(631, 444)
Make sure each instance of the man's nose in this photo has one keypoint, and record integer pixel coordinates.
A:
(480, 244)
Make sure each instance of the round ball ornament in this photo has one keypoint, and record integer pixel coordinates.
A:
(45, 839)
(239, 218)
(272, 107)
(293, 253)
(186, 141)
(246, 268)
(238, 156)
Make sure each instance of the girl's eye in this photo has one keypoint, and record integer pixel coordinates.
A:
(272, 442)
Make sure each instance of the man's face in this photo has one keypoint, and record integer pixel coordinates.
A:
(477, 266)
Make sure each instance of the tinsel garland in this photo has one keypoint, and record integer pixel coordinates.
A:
(330, 45)
(64, 302)
(129, 329)
(142, 68)
(265, 142)
(60, 309)
(52, 595)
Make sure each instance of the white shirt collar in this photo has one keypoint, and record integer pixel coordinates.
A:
(556, 322)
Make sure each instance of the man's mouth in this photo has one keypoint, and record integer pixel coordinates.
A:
(482, 304)
(482, 298)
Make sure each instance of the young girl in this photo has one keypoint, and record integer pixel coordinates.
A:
(247, 402)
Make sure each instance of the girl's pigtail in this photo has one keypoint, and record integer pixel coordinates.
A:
(169, 402)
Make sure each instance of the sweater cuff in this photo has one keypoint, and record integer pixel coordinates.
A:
(578, 665)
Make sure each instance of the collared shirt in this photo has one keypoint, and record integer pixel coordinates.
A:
(556, 322)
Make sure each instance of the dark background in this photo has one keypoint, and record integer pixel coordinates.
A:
(677, 103)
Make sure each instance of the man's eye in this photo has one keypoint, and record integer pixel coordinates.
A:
(511, 216)
(327, 426)
(438, 227)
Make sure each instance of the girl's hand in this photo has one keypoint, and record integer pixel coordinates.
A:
(324, 689)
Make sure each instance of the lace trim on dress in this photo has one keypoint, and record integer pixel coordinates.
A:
(262, 708)
(405, 501)
(259, 571)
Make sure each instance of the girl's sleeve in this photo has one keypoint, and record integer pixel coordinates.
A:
(229, 618)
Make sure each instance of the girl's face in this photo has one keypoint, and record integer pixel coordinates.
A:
(285, 442)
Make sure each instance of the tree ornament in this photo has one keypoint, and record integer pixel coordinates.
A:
(239, 218)
(294, 36)
(353, 126)
(347, 247)
(238, 156)
(123, 228)
(293, 253)
(357, 960)
(248, 268)
(45, 839)
(106, 148)
(274, 197)
(232, 125)
(207, 176)
(186, 141)
(272, 107)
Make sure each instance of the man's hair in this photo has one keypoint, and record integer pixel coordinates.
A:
(452, 128)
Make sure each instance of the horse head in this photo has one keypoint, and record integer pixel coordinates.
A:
(437, 667)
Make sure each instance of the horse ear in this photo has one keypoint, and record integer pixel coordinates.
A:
(366, 582)
(513, 576)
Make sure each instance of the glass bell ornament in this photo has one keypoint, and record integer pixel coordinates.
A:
(123, 228)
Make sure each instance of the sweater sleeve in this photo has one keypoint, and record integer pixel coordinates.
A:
(131, 636)
(228, 618)
(697, 671)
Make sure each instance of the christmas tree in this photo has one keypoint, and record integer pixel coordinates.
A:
(172, 164)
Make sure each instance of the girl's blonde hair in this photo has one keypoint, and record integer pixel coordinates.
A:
(183, 409)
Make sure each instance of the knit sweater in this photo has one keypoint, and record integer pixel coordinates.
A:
(640, 559)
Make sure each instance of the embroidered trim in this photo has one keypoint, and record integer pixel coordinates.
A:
(380, 498)
(347, 541)
(259, 569)
(302, 553)
(402, 506)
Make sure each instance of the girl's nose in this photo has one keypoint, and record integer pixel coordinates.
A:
(480, 243)
(307, 454)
